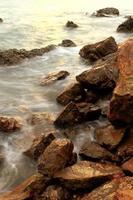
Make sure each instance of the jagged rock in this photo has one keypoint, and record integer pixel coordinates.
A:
(71, 24)
(54, 77)
(55, 157)
(98, 50)
(86, 174)
(102, 76)
(121, 105)
(1, 20)
(89, 111)
(128, 166)
(69, 116)
(40, 117)
(91, 96)
(93, 151)
(74, 92)
(67, 43)
(105, 12)
(126, 26)
(39, 145)
(109, 136)
(10, 124)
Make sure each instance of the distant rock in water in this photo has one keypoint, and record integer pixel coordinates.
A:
(1, 20)
(10, 124)
(126, 26)
(106, 12)
(71, 24)
(15, 56)
(67, 43)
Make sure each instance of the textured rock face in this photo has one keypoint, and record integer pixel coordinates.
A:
(10, 124)
(55, 157)
(104, 12)
(121, 105)
(71, 24)
(39, 145)
(98, 50)
(67, 43)
(86, 174)
(126, 26)
(128, 166)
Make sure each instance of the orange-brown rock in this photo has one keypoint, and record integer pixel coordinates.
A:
(10, 124)
(40, 117)
(128, 166)
(55, 157)
(121, 105)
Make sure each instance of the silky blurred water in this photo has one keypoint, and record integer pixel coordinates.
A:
(34, 24)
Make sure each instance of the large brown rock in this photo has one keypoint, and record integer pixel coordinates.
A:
(86, 174)
(39, 145)
(109, 136)
(121, 105)
(126, 26)
(10, 124)
(102, 76)
(73, 92)
(55, 157)
(128, 166)
(104, 12)
(98, 50)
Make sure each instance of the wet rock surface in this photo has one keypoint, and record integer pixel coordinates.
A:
(10, 124)
(105, 12)
(67, 43)
(71, 24)
(126, 26)
(98, 50)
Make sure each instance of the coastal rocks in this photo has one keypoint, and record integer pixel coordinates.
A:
(15, 56)
(71, 24)
(126, 26)
(128, 166)
(74, 92)
(10, 124)
(98, 50)
(1, 20)
(109, 136)
(50, 78)
(55, 157)
(85, 174)
(105, 12)
(67, 43)
(40, 117)
(39, 145)
(69, 116)
(121, 105)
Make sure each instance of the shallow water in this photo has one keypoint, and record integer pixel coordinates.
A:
(29, 25)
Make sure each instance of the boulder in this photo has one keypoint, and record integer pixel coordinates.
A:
(98, 50)
(71, 24)
(126, 26)
(67, 43)
(39, 145)
(10, 124)
(51, 78)
(102, 77)
(128, 166)
(74, 92)
(109, 136)
(1, 20)
(85, 174)
(55, 157)
(105, 12)
(121, 105)
(93, 151)
(69, 116)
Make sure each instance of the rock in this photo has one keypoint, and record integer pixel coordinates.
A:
(105, 12)
(74, 92)
(71, 24)
(89, 111)
(67, 43)
(128, 166)
(69, 116)
(1, 20)
(109, 136)
(93, 151)
(54, 77)
(102, 77)
(73, 159)
(55, 193)
(10, 124)
(121, 105)
(86, 174)
(55, 157)
(91, 96)
(126, 26)
(28, 189)
(98, 50)
(40, 117)
(39, 145)
(15, 56)
(2, 157)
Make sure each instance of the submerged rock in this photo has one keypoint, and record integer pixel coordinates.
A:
(105, 12)
(50, 78)
(67, 43)
(55, 157)
(98, 50)
(86, 174)
(10, 124)
(40, 117)
(71, 24)
(126, 26)
(1, 20)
